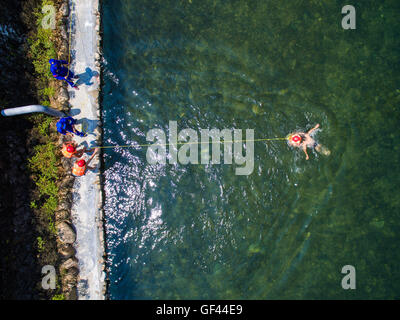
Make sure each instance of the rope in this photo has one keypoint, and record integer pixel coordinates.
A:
(183, 143)
(69, 43)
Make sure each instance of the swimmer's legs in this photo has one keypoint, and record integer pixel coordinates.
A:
(321, 149)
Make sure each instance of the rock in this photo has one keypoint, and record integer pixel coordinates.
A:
(68, 264)
(63, 50)
(66, 251)
(64, 205)
(73, 271)
(64, 9)
(67, 182)
(66, 163)
(65, 107)
(97, 132)
(65, 196)
(63, 32)
(65, 233)
(71, 294)
(63, 95)
(62, 215)
(68, 280)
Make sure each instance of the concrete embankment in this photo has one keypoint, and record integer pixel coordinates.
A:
(86, 211)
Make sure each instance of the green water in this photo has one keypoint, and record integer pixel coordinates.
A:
(286, 230)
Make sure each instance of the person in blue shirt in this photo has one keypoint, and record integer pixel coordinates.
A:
(61, 73)
(66, 126)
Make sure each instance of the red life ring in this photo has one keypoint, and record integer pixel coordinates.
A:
(296, 138)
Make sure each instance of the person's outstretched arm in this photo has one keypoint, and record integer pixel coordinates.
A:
(305, 151)
(92, 156)
(313, 129)
(70, 83)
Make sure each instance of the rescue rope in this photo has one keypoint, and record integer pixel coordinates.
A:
(69, 43)
(183, 143)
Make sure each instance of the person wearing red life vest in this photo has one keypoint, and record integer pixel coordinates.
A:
(81, 165)
(69, 150)
(304, 140)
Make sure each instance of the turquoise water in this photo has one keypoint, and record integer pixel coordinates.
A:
(286, 230)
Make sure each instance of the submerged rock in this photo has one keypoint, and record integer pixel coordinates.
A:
(377, 223)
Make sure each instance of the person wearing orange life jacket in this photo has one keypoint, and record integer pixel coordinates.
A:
(304, 140)
(69, 150)
(80, 166)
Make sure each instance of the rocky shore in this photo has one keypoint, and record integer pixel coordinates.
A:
(66, 234)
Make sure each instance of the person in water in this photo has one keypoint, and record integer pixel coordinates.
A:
(69, 150)
(304, 140)
(66, 126)
(81, 166)
(62, 73)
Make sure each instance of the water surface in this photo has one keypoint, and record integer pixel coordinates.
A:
(286, 230)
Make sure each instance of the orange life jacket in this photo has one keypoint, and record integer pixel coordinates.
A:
(65, 152)
(78, 171)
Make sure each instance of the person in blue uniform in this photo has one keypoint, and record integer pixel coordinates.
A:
(66, 126)
(61, 73)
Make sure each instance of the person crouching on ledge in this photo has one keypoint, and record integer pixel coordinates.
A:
(66, 126)
(69, 150)
(62, 73)
(81, 166)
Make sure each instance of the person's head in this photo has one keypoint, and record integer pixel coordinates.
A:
(71, 148)
(81, 163)
(53, 66)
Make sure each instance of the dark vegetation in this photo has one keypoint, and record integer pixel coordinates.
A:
(28, 190)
